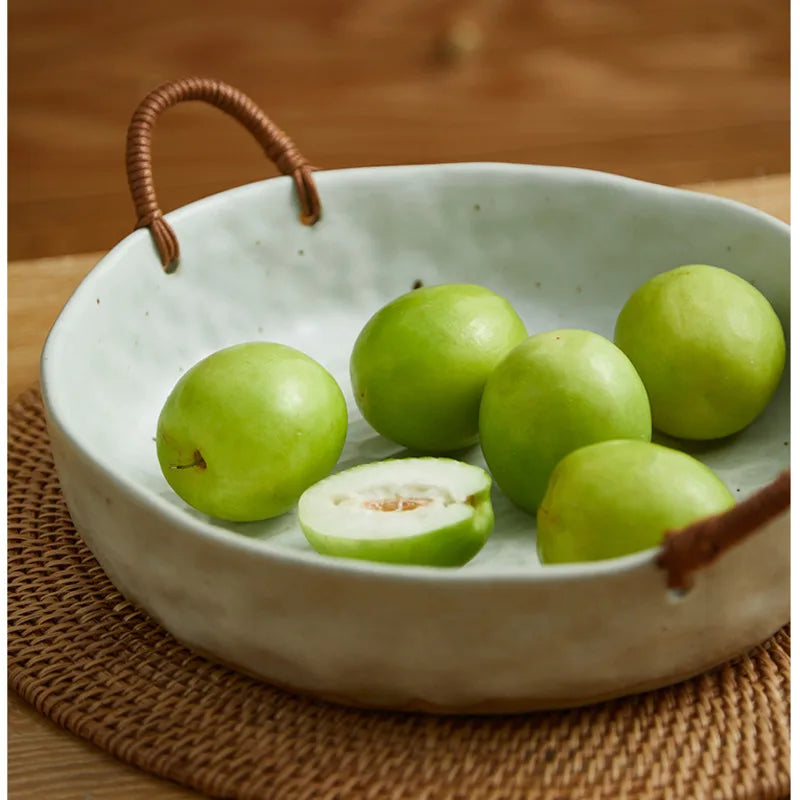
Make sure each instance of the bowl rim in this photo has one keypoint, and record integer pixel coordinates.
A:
(218, 534)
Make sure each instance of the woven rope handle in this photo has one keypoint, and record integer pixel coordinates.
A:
(138, 160)
(699, 544)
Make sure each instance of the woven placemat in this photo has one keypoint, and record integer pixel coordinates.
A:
(92, 662)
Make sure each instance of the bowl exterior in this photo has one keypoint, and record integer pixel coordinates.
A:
(412, 643)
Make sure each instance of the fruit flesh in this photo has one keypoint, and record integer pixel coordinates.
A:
(425, 511)
(619, 497)
(420, 363)
(248, 429)
(555, 392)
(709, 347)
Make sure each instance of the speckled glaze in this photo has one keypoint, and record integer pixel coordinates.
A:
(503, 633)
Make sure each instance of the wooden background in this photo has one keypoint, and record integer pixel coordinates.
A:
(674, 91)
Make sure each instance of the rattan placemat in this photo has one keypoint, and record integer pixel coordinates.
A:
(93, 663)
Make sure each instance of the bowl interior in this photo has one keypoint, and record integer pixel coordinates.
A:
(565, 246)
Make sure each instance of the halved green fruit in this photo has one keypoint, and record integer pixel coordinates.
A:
(426, 511)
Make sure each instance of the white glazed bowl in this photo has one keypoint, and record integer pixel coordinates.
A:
(503, 633)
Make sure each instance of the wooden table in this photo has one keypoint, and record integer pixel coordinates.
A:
(43, 760)
(672, 91)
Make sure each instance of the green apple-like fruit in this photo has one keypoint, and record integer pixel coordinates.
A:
(553, 393)
(248, 429)
(420, 364)
(427, 511)
(709, 347)
(618, 497)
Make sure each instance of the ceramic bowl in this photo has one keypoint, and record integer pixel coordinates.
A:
(503, 633)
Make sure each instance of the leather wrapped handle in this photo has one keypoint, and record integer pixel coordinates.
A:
(701, 543)
(138, 160)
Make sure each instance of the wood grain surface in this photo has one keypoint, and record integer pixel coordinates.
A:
(43, 760)
(673, 91)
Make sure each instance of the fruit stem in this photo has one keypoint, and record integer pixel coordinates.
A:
(198, 462)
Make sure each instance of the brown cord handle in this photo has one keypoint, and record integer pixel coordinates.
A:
(699, 544)
(138, 161)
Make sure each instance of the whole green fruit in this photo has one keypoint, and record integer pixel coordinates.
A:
(553, 393)
(248, 429)
(618, 497)
(420, 364)
(709, 347)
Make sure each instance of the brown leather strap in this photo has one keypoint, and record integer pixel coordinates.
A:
(277, 145)
(699, 544)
